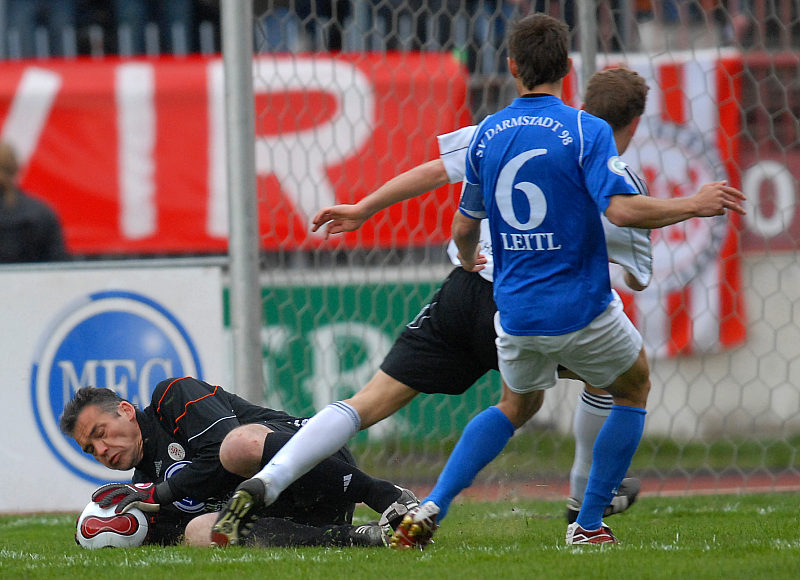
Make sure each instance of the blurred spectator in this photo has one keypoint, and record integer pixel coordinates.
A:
(294, 25)
(29, 230)
(24, 20)
(279, 27)
(497, 15)
(391, 24)
(425, 24)
(433, 22)
(565, 10)
(684, 24)
(325, 18)
(473, 30)
(172, 30)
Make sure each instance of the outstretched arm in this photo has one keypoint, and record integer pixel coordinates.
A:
(414, 182)
(641, 211)
(466, 234)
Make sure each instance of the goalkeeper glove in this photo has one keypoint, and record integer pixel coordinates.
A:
(126, 496)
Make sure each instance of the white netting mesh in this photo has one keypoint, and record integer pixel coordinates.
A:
(351, 94)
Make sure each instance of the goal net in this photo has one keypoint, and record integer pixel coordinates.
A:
(349, 95)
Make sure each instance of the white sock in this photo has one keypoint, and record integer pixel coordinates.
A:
(323, 435)
(590, 414)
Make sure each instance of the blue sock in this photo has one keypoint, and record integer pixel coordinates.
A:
(613, 451)
(482, 440)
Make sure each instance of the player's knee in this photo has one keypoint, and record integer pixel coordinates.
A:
(198, 531)
(643, 392)
(242, 448)
(634, 395)
(633, 386)
(520, 408)
(531, 407)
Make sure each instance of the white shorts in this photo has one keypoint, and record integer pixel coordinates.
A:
(599, 352)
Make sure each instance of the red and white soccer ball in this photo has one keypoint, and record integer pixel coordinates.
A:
(103, 528)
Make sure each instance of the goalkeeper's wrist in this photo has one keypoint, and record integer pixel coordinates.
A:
(163, 493)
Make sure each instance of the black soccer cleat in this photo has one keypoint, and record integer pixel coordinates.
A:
(394, 514)
(371, 535)
(236, 519)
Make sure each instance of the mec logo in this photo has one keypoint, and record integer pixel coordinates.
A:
(114, 339)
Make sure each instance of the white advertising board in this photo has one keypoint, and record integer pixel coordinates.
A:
(62, 329)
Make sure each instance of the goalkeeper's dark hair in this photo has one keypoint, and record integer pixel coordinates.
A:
(617, 95)
(107, 400)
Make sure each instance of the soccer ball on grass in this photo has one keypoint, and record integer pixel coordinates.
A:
(103, 528)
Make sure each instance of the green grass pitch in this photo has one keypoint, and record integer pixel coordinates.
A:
(724, 536)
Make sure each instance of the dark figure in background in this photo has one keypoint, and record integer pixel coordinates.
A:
(57, 18)
(175, 20)
(29, 229)
(321, 23)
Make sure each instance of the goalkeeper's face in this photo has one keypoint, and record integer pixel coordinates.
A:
(114, 440)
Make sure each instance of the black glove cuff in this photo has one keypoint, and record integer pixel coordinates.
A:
(163, 493)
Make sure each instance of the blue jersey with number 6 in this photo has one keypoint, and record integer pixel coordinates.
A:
(540, 170)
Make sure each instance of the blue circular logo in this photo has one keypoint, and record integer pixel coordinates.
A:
(119, 340)
(186, 504)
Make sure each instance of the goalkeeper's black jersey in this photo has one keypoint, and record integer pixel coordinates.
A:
(182, 430)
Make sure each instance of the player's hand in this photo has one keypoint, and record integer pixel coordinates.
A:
(339, 219)
(126, 496)
(716, 197)
(474, 264)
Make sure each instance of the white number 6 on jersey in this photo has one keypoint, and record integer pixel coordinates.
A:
(533, 193)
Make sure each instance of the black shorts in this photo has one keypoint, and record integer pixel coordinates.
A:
(314, 499)
(450, 344)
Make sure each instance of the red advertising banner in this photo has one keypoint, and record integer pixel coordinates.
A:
(131, 153)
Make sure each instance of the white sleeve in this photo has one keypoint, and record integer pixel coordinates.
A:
(486, 249)
(453, 152)
(631, 249)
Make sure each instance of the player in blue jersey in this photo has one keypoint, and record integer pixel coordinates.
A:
(540, 171)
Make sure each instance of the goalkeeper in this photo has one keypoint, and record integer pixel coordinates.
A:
(195, 442)
(451, 343)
